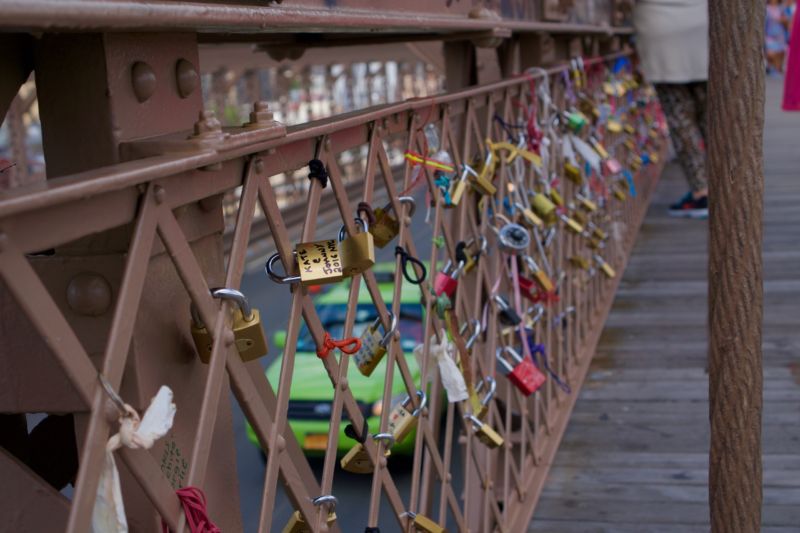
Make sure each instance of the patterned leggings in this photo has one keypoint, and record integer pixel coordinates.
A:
(684, 105)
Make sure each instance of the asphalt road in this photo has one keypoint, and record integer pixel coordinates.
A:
(352, 490)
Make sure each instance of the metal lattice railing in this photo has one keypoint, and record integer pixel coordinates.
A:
(580, 246)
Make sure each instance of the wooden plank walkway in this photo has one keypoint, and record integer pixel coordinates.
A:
(635, 455)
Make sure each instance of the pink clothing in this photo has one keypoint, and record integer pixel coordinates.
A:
(791, 87)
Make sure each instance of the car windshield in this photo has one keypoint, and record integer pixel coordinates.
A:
(332, 318)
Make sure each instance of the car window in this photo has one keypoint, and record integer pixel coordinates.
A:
(333, 317)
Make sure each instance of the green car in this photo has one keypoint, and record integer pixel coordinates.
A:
(311, 397)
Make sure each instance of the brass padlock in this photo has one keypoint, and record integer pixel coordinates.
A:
(425, 524)
(595, 244)
(629, 129)
(573, 174)
(357, 251)
(402, 421)
(605, 268)
(614, 126)
(297, 524)
(484, 433)
(539, 276)
(319, 263)
(588, 205)
(556, 197)
(247, 331)
(529, 218)
(579, 216)
(358, 460)
(597, 232)
(571, 224)
(373, 345)
(580, 262)
(458, 188)
(491, 390)
(474, 256)
(599, 148)
(544, 208)
(387, 227)
(619, 194)
(481, 180)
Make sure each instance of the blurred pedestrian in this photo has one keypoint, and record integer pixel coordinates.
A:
(672, 42)
(775, 37)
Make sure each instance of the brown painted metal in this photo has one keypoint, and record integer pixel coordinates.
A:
(131, 211)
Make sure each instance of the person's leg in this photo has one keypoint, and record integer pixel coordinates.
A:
(680, 109)
(700, 94)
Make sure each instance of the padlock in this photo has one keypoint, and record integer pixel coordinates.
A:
(614, 126)
(539, 275)
(605, 268)
(556, 197)
(571, 224)
(297, 524)
(319, 262)
(446, 282)
(576, 121)
(597, 232)
(579, 216)
(629, 129)
(506, 313)
(247, 331)
(458, 188)
(611, 166)
(520, 370)
(513, 239)
(586, 204)
(529, 218)
(357, 251)
(402, 420)
(619, 193)
(373, 345)
(543, 207)
(573, 174)
(482, 181)
(425, 524)
(588, 108)
(599, 148)
(484, 433)
(464, 256)
(491, 390)
(580, 262)
(387, 227)
(595, 244)
(358, 460)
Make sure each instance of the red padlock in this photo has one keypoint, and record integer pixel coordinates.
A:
(447, 282)
(520, 371)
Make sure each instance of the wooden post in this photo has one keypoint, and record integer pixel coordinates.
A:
(736, 185)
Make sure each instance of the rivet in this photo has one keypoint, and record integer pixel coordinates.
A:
(159, 194)
(229, 338)
(259, 165)
(186, 77)
(143, 80)
(280, 443)
(343, 384)
(89, 294)
(382, 462)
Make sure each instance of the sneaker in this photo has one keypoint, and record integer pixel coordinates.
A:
(689, 207)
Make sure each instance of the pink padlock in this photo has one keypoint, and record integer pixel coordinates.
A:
(520, 371)
(612, 167)
(447, 282)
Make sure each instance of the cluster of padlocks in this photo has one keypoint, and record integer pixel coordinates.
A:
(595, 138)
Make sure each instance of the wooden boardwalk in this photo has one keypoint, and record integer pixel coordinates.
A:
(635, 455)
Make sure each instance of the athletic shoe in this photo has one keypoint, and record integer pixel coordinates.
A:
(689, 207)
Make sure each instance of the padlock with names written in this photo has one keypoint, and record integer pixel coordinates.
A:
(247, 331)
(506, 313)
(358, 460)
(387, 227)
(484, 433)
(297, 524)
(373, 345)
(357, 251)
(446, 282)
(319, 262)
(520, 370)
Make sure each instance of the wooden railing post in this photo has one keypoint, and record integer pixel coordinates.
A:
(736, 184)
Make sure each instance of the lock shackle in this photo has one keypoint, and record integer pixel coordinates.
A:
(403, 200)
(423, 401)
(476, 332)
(277, 278)
(491, 392)
(240, 299)
(327, 499)
(447, 267)
(503, 362)
(385, 436)
(458, 270)
(474, 419)
(539, 312)
(466, 169)
(531, 263)
(359, 222)
(112, 394)
(502, 302)
(392, 328)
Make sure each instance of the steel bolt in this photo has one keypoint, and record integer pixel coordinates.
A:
(207, 125)
(186, 77)
(89, 294)
(143, 80)
(261, 115)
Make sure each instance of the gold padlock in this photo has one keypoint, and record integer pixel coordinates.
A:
(425, 524)
(572, 225)
(619, 194)
(580, 262)
(556, 197)
(599, 148)
(458, 188)
(539, 276)
(614, 126)
(595, 243)
(357, 251)
(573, 174)
(597, 232)
(481, 180)
(484, 433)
(629, 129)
(473, 255)
(544, 208)
(319, 262)
(529, 218)
(297, 524)
(248, 333)
(588, 205)
(358, 460)
(605, 267)
(491, 390)
(387, 227)
(402, 421)
(579, 216)
(373, 346)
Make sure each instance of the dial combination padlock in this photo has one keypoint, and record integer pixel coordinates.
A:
(605, 268)
(297, 524)
(539, 275)
(387, 227)
(484, 433)
(247, 331)
(357, 251)
(543, 207)
(319, 262)
(573, 174)
(373, 345)
(446, 282)
(491, 390)
(513, 239)
(358, 460)
(520, 370)
(506, 313)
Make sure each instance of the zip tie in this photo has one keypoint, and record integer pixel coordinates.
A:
(348, 346)
(405, 259)
(317, 171)
(195, 508)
